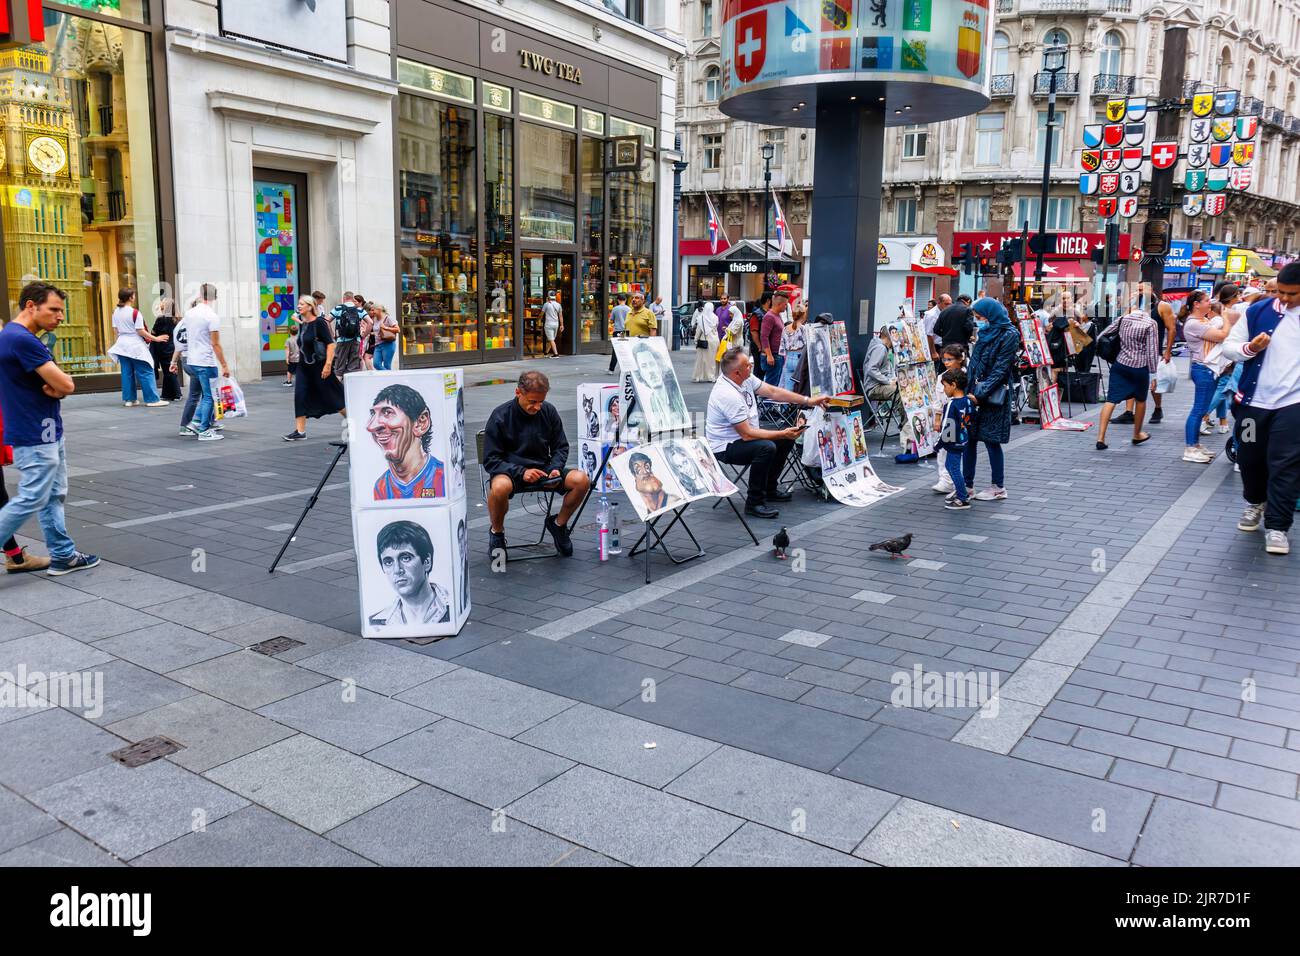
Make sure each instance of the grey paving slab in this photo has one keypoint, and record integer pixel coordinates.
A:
(624, 820)
(315, 637)
(1185, 834)
(131, 690)
(251, 837)
(349, 717)
(131, 588)
(129, 811)
(48, 652)
(572, 672)
(920, 834)
(1261, 806)
(208, 612)
(824, 809)
(377, 665)
(618, 744)
(808, 737)
(30, 594)
(471, 763)
(755, 845)
(805, 638)
(50, 746)
(427, 827)
(490, 703)
(93, 620)
(212, 730)
(1052, 803)
(165, 647)
(13, 627)
(311, 782)
(19, 702)
(21, 821)
(248, 679)
(61, 848)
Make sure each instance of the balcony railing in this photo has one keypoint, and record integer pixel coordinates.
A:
(1273, 116)
(105, 120)
(116, 205)
(1003, 84)
(1292, 124)
(1250, 106)
(1067, 84)
(1112, 84)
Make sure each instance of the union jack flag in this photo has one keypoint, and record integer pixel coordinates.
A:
(715, 226)
(782, 230)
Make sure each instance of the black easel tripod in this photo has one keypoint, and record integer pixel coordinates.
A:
(342, 447)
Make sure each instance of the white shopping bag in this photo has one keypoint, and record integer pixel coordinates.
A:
(1166, 377)
(231, 398)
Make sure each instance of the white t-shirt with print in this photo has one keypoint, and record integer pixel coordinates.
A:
(730, 404)
(200, 323)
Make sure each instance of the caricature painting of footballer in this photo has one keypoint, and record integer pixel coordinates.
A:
(402, 427)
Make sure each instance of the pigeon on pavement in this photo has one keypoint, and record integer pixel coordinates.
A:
(780, 541)
(894, 546)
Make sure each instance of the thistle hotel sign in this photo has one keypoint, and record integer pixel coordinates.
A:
(540, 63)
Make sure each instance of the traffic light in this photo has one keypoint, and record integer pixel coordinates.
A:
(1012, 251)
(967, 258)
(1110, 252)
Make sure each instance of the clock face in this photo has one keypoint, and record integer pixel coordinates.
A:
(47, 154)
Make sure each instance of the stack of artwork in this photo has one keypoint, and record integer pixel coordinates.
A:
(830, 370)
(1049, 396)
(659, 399)
(846, 469)
(600, 415)
(916, 383)
(407, 470)
(667, 474)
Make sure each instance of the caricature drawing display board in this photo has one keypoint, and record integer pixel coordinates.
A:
(916, 384)
(406, 465)
(659, 397)
(600, 417)
(846, 469)
(1035, 343)
(667, 474)
(830, 369)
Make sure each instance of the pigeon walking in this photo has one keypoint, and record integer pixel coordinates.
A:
(780, 541)
(894, 546)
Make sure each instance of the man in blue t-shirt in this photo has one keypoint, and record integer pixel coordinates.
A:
(31, 386)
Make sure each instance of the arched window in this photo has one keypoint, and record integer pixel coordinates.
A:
(1225, 66)
(1057, 37)
(1248, 89)
(712, 84)
(1001, 54)
(1270, 97)
(1112, 54)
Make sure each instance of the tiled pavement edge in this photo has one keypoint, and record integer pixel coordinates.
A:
(764, 750)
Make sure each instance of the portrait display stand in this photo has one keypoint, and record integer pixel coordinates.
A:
(915, 383)
(841, 439)
(342, 447)
(1037, 355)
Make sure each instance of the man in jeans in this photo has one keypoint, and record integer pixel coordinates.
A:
(31, 387)
(618, 315)
(203, 359)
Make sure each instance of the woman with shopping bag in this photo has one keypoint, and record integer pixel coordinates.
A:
(131, 352)
(704, 331)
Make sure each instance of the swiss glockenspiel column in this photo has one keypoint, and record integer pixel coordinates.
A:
(849, 69)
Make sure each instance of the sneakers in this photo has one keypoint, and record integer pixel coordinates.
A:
(187, 432)
(496, 544)
(1125, 418)
(1196, 455)
(560, 535)
(287, 384)
(78, 562)
(211, 435)
(1224, 429)
(991, 493)
(161, 403)
(1157, 416)
(130, 404)
(295, 436)
(1206, 428)
(956, 504)
(1275, 542)
(22, 561)
(943, 487)
(1250, 518)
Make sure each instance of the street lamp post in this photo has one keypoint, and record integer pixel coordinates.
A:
(768, 151)
(1053, 64)
(679, 167)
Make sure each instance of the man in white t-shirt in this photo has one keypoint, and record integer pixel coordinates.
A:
(733, 433)
(930, 317)
(203, 358)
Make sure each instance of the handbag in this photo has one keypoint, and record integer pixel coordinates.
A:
(996, 397)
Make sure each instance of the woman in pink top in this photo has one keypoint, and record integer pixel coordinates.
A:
(1202, 331)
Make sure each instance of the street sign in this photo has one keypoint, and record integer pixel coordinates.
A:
(1155, 237)
(1200, 259)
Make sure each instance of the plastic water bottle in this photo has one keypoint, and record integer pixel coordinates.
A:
(613, 529)
(602, 521)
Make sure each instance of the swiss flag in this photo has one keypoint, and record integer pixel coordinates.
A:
(1164, 155)
(750, 45)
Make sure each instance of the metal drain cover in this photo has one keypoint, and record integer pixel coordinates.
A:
(276, 645)
(146, 751)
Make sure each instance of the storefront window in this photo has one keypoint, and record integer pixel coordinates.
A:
(438, 227)
(592, 312)
(632, 229)
(498, 238)
(622, 127)
(453, 86)
(547, 183)
(79, 199)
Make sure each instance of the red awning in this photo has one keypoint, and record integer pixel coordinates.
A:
(935, 270)
(701, 247)
(1059, 270)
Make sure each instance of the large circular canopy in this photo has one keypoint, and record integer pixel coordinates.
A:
(921, 60)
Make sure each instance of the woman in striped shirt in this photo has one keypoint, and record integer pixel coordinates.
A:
(1130, 375)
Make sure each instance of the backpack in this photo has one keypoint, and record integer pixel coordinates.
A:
(1108, 343)
(347, 323)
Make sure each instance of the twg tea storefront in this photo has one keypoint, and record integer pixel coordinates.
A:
(523, 169)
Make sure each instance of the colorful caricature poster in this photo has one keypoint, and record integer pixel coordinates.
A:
(1049, 409)
(275, 213)
(916, 387)
(1035, 342)
(846, 468)
(654, 382)
(664, 475)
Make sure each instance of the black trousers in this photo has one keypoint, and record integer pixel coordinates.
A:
(613, 359)
(1268, 451)
(766, 460)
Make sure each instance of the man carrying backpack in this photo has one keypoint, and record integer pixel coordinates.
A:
(351, 328)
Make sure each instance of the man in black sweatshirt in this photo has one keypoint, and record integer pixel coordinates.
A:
(956, 324)
(525, 449)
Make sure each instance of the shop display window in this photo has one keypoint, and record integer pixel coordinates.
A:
(593, 316)
(498, 237)
(78, 191)
(438, 166)
(547, 183)
(632, 229)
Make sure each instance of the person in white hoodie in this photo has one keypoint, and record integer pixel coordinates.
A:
(704, 333)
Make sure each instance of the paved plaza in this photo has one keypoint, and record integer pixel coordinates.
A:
(738, 710)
